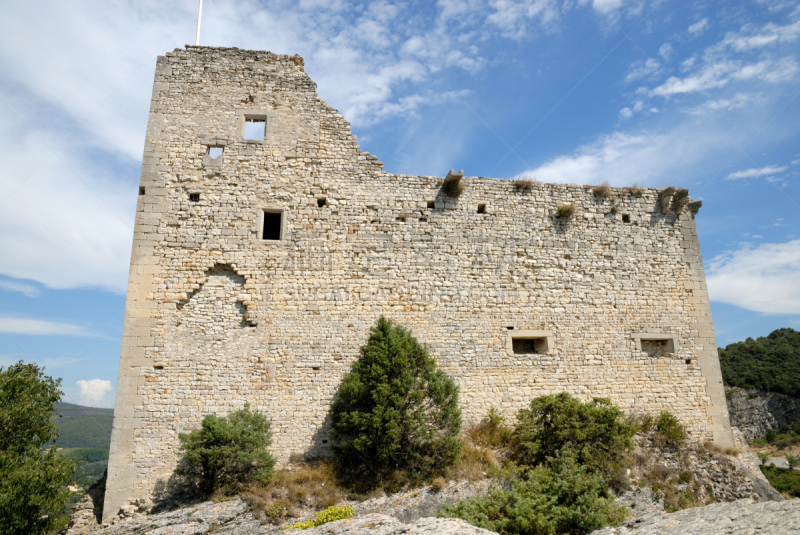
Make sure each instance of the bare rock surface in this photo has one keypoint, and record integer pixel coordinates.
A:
(742, 517)
(377, 524)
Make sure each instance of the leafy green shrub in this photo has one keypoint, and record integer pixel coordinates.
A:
(228, 451)
(792, 460)
(770, 436)
(331, 514)
(395, 411)
(784, 480)
(33, 480)
(763, 457)
(563, 497)
(670, 428)
(595, 433)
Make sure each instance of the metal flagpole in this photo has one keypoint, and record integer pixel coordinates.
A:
(199, 16)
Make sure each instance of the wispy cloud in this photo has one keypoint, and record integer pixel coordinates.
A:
(21, 287)
(15, 325)
(698, 27)
(754, 173)
(762, 278)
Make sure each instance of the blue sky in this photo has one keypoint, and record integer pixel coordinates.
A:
(703, 95)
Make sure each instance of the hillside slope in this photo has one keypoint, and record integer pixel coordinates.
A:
(84, 427)
(770, 363)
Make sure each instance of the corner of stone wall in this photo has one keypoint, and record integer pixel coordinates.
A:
(719, 426)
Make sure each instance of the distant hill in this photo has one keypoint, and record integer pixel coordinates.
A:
(770, 363)
(83, 427)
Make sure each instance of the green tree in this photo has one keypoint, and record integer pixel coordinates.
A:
(595, 433)
(770, 363)
(395, 411)
(32, 480)
(226, 452)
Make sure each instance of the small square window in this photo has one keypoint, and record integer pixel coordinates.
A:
(321, 202)
(481, 208)
(431, 205)
(255, 129)
(215, 152)
(141, 190)
(626, 218)
(271, 229)
(194, 197)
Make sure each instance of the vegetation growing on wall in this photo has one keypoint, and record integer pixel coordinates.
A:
(396, 411)
(770, 363)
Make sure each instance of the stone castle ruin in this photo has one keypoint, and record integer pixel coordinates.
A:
(267, 243)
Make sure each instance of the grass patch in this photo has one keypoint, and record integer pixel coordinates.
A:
(524, 185)
(452, 186)
(602, 190)
(565, 211)
(331, 514)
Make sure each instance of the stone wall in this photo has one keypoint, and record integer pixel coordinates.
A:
(217, 316)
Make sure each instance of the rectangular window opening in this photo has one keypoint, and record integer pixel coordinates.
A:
(529, 346)
(322, 202)
(215, 152)
(272, 226)
(431, 205)
(194, 197)
(141, 190)
(481, 208)
(655, 348)
(510, 328)
(626, 218)
(158, 366)
(255, 129)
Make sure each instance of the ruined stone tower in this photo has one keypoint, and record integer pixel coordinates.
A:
(267, 243)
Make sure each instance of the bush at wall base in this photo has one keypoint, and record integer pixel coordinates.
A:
(226, 452)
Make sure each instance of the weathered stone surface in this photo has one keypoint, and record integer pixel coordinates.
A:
(87, 513)
(377, 524)
(743, 517)
(755, 412)
(217, 317)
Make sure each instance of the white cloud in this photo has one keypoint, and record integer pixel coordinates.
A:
(624, 158)
(21, 287)
(754, 173)
(665, 50)
(30, 326)
(626, 113)
(716, 75)
(93, 392)
(769, 34)
(739, 100)
(698, 27)
(640, 70)
(762, 278)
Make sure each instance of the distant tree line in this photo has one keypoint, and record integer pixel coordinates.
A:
(770, 363)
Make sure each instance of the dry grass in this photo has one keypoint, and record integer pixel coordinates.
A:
(710, 446)
(524, 185)
(485, 450)
(295, 493)
(565, 211)
(602, 190)
(452, 186)
(635, 190)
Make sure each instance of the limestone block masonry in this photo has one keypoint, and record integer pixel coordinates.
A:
(256, 275)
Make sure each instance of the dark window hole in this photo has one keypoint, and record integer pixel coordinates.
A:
(315, 367)
(215, 152)
(431, 205)
(272, 226)
(510, 328)
(481, 208)
(688, 361)
(526, 346)
(322, 202)
(626, 218)
(423, 220)
(194, 197)
(141, 190)
(158, 367)
(324, 441)
(401, 219)
(255, 129)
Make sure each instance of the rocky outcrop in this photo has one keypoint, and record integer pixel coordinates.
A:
(86, 514)
(377, 524)
(755, 412)
(743, 517)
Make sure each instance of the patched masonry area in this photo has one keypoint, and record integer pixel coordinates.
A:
(267, 244)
